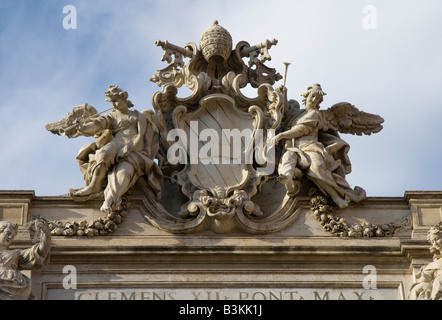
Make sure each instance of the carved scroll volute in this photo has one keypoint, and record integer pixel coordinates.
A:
(172, 74)
(219, 194)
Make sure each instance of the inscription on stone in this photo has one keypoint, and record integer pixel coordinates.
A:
(229, 294)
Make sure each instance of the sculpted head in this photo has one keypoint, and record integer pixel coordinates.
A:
(313, 97)
(434, 237)
(118, 98)
(8, 231)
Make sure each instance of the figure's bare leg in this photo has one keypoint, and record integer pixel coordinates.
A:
(324, 180)
(285, 178)
(342, 203)
(97, 180)
(293, 188)
(291, 181)
(297, 174)
(119, 181)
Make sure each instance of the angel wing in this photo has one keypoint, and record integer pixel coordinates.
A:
(346, 118)
(150, 115)
(80, 112)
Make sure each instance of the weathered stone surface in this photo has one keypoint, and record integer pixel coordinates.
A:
(173, 209)
(305, 258)
(15, 285)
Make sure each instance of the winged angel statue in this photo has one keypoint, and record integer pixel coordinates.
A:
(218, 194)
(126, 146)
(314, 149)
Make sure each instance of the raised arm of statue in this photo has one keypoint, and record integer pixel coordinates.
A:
(89, 128)
(13, 284)
(37, 255)
(44, 247)
(296, 131)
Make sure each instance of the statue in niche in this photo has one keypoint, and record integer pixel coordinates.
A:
(126, 146)
(313, 147)
(428, 284)
(13, 284)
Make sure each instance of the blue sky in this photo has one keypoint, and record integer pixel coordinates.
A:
(394, 70)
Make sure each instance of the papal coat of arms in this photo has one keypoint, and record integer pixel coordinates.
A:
(214, 159)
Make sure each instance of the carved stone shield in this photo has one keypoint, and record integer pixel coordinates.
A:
(219, 145)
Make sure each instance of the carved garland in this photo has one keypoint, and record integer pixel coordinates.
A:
(98, 227)
(338, 226)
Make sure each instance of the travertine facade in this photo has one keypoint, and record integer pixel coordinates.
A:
(218, 195)
(139, 261)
